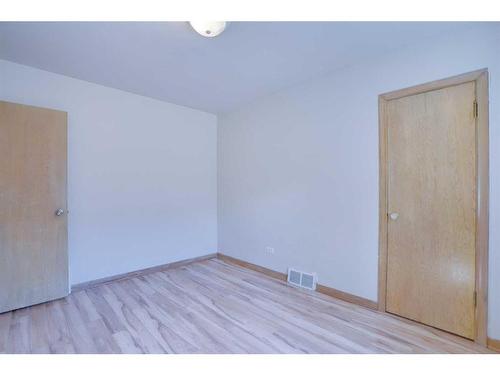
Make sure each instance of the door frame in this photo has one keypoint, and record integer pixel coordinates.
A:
(480, 77)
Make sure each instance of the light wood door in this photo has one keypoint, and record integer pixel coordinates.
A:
(33, 239)
(431, 150)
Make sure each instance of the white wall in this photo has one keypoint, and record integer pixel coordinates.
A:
(142, 173)
(298, 170)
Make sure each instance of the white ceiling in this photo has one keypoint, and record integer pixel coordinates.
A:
(169, 61)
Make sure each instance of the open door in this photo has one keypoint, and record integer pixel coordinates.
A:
(33, 206)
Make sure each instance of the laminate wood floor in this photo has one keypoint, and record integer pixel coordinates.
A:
(213, 307)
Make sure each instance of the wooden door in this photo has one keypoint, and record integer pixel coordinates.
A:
(431, 201)
(33, 235)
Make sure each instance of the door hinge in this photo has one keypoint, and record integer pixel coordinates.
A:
(475, 299)
(475, 109)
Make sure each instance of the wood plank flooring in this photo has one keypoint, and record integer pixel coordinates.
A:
(213, 307)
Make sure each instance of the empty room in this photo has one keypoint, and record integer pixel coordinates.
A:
(257, 187)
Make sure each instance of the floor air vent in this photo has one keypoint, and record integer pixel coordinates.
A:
(302, 279)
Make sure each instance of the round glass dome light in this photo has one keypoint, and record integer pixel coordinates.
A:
(208, 29)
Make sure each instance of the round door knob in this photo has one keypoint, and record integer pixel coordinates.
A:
(394, 215)
(59, 212)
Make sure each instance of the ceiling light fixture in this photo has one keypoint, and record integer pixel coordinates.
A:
(208, 29)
